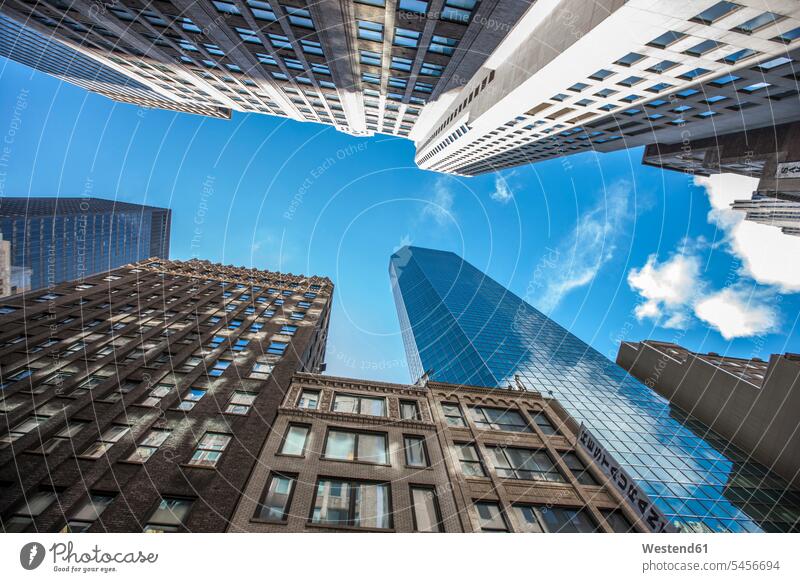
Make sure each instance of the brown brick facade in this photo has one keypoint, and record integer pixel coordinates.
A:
(156, 327)
(455, 494)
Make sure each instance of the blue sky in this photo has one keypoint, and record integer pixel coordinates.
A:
(607, 247)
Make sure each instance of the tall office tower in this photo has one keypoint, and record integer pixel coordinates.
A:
(144, 395)
(66, 239)
(363, 66)
(771, 154)
(575, 76)
(478, 85)
(784, 214)
(751, 403)
(42, 52)
(465, 328)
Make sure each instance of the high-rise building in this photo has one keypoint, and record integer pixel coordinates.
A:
(461, 326)
(139, 400)
(575, 76)
(42, 52)
(13, 280)
(783, 214)
(348, 454)
(67, 239)
(750, 402)
(362, 66)
(478, 85)
(771, 154)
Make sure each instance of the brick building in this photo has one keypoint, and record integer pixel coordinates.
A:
(361, 455)
(139, 399)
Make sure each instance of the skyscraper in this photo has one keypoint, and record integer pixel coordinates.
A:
(477, 85)
(65, 239)
(144, 395)
(361, 66)
(750, 402)
(463, 327)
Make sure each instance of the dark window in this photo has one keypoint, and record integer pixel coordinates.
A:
(498, 419)
(490, 516)
(527, 464)
(452, 414)
(543, 422)
(352, 503)
(416, 455)
(88, 512)
(579, 469)
(357, 446)
(617, 521)
(538, 518)
(169, 516)
(425, 509)
(274, 505)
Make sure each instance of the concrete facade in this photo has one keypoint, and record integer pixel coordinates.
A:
(751, 403)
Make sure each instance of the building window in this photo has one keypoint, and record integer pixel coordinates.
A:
(543, 518)
(157, 394)
(359, 405)
(617, 521)
(370, 31)
(415, 451)
(192, 397)
(65, 434)
(241, 402)
(277, 348)
(716, 12)
(452, 414)
(294, 441)
(490, 517)
(20, 430)
(149, 445)
(88, 512)
(425, 509)
(309, 399)
(355, 504)
(107, 439)
(261, 371)
(527, 464)
(274, 505)
(210, 448)
(22, 516)
(470, 460)
(498, 419)
(219, 367)
(666, 39)
(354, 446)
(544, 424)
(169, 516)
(409, 410)
(578, 468)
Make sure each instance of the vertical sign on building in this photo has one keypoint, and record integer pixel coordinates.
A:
(637, 499)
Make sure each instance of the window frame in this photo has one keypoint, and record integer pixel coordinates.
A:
(439, 523)
(426, 456)
(292, 478)
(355, 459)
(289, 427)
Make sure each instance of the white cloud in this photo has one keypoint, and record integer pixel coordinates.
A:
(589, 246)
(440, 207)
(737, 312)
(502, 193)
(761, 248)
(667, 289)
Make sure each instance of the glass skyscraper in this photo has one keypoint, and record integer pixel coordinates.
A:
(463, 327)
(65, 239)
